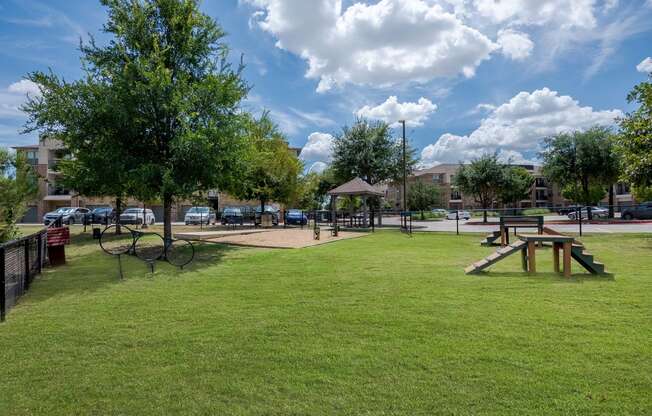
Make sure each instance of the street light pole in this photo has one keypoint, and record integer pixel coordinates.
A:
(404, 169)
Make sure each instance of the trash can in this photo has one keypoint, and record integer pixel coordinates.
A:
(57, 238)
(266, 219)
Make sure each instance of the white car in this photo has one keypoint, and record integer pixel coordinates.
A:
(463, 215)
(439, 212)
(135, 216)
(200, 215)
(596, 212)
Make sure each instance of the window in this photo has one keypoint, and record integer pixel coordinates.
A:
(541, 195)
(540, 182)
(622, 189)
(455, 195)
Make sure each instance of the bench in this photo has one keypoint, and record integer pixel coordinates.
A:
(518, 221)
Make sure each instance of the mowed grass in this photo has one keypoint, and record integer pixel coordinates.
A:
(382, 325)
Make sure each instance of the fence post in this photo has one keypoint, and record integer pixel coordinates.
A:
(39, 252)
(3, 293)
(27, 265)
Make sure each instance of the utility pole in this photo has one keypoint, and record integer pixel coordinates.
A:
(404, 169)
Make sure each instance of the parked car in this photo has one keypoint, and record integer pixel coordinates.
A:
(596, 212)
(439, 212)
(567, 210)
(136, 215)
(69, 215)
(638, 212)
(295, 217)
(200, 215)
(463, 215)
(232, 216)
(268, 210)
(101, 215)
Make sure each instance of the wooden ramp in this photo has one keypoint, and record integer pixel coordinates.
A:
(493, 258)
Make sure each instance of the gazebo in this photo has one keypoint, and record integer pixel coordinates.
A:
(354, 187)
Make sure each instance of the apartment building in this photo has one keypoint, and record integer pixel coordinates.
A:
(543, 194)
(45, 158)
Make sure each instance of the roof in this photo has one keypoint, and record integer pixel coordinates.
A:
(34, 146)
(356, 187)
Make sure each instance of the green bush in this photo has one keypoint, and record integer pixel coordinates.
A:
(536, 211)
(489, 214)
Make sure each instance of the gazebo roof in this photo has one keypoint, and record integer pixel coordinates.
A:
(356, 187)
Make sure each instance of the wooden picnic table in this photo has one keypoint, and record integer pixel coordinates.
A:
(559, 242)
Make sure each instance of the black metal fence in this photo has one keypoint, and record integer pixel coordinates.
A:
(20, 262)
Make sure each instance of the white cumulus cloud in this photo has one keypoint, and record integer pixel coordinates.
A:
(645, 66)
(515, 45)
(318, 148)
(561, 13)
(317, 167)
(380, 44)
(24, 86)
(391, 111)
(518, 126)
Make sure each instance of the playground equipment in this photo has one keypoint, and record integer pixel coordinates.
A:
(148, 247)
(527, 245)
(515, 222)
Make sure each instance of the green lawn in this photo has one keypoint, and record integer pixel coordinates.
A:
(380, 325)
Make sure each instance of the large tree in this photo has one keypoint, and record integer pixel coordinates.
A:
(583, 163)
(18, 185)
(422, 196)
(313, 189)
(367, 150)
(635, 140)
(271, 170)
(516, 185)
(483, 179)
(174, 100)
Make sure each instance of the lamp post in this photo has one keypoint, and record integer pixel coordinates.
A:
(404, 169)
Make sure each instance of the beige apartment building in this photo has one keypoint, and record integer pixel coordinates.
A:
(48, 153)
(543, 194)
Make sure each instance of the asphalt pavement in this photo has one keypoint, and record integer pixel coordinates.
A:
(449, 226)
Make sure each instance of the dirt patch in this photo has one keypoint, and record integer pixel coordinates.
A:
(286, 238)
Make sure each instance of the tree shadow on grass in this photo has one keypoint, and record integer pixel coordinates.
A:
(550, 277)
(90, 272)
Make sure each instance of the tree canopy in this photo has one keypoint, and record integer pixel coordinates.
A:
(483, 178)
(368, 150)
(18, 185)
(583, 163)
(270, 169)
(159, 98)
(635, 140)
(516, 185)
(422, 197)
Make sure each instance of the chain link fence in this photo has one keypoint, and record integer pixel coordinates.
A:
(20, 262)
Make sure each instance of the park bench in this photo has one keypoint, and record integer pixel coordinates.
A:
(516, 222)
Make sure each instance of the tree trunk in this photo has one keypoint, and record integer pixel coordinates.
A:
(167, 218)
(484, 213)
(611, 201)
(118, 211)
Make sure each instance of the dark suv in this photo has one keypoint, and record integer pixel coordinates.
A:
(640, 212)
(102, 215)
(232, 216)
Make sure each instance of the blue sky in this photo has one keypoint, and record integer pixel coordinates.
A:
(470, 76)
